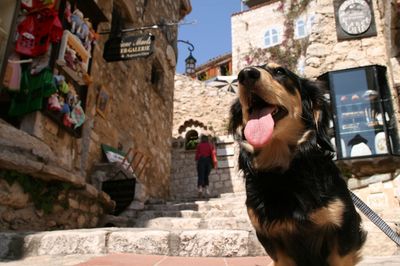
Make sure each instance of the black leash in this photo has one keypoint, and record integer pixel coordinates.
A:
(375, 219)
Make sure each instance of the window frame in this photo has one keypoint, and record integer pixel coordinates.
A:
(308, 22)
(271, 36)
(304, 28)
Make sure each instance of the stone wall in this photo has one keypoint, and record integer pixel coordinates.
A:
(225, 179)
(204, 109)
(194, 100)
(382, 194)
(66, 148)
(72, 208)
(37, 192)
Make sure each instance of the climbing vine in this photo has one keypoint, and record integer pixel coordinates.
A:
(290, 50)
(43, 194)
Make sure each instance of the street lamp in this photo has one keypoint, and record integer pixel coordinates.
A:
(190, 61)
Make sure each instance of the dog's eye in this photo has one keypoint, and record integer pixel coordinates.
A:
(279, 71)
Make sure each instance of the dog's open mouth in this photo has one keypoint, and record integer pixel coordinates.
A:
(262, 119)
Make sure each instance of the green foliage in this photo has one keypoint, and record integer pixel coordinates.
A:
(192, 144)
(43, 194)
(296, 8)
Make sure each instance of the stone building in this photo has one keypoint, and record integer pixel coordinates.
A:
(326, 39)
(127, 104)
(219, 66)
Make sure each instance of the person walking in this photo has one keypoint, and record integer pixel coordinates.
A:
(206, 160)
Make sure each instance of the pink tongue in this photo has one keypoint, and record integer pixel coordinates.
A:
(259, 128)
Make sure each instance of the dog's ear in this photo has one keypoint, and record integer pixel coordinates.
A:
(316, 110)
(236, 118)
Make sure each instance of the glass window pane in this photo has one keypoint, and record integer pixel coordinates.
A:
(275, 39)
(310, 23)
(271, 37)
(301, 29)
(360, 117)
(267, 37)
(275, 36)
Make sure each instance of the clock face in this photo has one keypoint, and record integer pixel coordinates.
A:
(355, 16)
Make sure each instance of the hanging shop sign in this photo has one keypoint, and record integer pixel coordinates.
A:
(128, 47)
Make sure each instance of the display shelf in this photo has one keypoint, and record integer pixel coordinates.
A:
(57, 117)
(82, 80)
(363, 103)
(71, 43)
(363, 122)
(372, 130)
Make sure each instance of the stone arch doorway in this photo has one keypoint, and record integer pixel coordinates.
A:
(191, 130)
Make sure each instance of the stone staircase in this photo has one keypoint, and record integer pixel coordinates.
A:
(227, 212)
(215, 227)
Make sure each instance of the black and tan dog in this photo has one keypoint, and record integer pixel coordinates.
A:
(297, 201)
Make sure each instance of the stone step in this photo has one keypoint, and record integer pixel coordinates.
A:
(150, 214)
(169, 223)
(216, 204)
(203, 243)
(233, 195)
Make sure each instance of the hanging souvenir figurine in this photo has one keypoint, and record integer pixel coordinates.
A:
(37, 31)
(32, 5)
(67, 11)
(78, 115)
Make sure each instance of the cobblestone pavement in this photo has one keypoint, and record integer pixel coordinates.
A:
(155, 260)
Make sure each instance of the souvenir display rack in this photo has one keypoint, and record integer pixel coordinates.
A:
(67, 31)
(364, 129)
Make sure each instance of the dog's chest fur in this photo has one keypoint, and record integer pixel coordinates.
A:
(303, 214)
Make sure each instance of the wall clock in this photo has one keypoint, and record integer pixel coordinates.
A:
(354, 16)
(354, 19)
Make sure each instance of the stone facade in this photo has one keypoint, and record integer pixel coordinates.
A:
(139, 114)
(325, 53)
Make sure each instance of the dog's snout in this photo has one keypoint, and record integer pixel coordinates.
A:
(248, 76)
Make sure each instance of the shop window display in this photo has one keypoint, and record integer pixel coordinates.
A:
(48, 66)
(364, 122)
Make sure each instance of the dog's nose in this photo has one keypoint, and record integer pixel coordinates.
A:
(248, 76)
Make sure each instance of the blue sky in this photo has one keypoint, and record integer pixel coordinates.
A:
(211, 34)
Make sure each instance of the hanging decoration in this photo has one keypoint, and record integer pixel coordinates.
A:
(37, 31)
